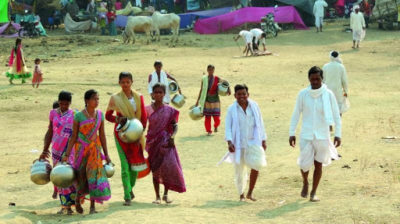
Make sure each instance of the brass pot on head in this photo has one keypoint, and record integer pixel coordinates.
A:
(173, 87)
(131, 131)
(223, 88)
(40, 172)
(62, 175)
(195, 113)
(178, 100)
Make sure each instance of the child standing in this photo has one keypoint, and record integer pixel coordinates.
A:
(37, 74)
(102, 24)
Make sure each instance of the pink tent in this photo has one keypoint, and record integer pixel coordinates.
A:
(217, 24)
(10, 25)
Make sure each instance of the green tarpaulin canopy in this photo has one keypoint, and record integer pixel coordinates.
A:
(3, 11)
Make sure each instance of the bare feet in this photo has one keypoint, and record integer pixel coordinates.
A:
(157, 201)
(314, 198)
(92, 211)
(216, 129)
(127, 202)
(54, 196)
(209, 133)
(250, 197)
(79, 208)
(61, 211)
(69, 211)
(132, 195)
(304, 191)
(242, 198)
(353, 47)
(165, 198)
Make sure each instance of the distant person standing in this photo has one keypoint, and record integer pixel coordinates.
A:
(357, 25)
(335, 78)
(118, 5)
(258, 35)
(319, 12)
(365, 8)
(111, 23)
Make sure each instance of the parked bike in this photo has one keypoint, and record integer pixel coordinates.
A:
(28, 29)
(269, 26)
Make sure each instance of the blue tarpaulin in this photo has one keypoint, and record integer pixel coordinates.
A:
(188, 18)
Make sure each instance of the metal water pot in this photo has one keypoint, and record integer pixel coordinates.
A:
(173, 87)
(223, 88)
(40, 172)
(195, 113)
(62, 175)
(110, 170)
(178, 100)
(131, 131)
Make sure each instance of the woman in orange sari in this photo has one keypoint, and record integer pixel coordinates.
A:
(87, 140)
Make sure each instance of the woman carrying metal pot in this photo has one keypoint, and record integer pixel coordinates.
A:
(58, 133)
(208, 99)
(128, 104)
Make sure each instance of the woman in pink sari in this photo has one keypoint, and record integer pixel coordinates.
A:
(163, 156)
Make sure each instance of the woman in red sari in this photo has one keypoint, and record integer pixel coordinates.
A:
(163, 156)
(17, 64)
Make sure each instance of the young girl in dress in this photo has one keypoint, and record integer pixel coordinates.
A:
(163, 156)
(87, 140)
(16, 63)
(37, 74)
(60, 129)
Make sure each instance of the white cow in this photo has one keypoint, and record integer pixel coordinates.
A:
(166, 21)
(137, 24)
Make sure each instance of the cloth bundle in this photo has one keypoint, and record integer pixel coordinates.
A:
(254, 157)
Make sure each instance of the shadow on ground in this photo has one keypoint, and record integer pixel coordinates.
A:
(282, 210)
(221, 204)
(30, 212)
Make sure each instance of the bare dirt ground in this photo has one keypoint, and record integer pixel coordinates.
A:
(362, 187)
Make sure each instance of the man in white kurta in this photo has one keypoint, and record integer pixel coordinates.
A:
(248, 39)
(245, 134)
(335, 78)
(319, 12)
(258, 36)
(319, 110)
(160, 76)
(357, 25)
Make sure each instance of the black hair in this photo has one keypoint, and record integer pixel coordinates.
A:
(240, 87)
(264, 35)
(315, 69)
(157, 63)
(17, 42)
(334, 54)
(89, 94)
(159, 85)
(37, 60)
(65, 96)
(56, 105)
(123, 75)
(210, 66)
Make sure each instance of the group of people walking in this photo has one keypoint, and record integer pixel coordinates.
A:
(78, 137)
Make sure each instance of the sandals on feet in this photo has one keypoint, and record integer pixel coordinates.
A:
(157, 201)
(127, 202)
(304, 191)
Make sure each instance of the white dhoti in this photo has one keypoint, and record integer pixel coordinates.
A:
(253, 157)
(358, 35)
(322, 151)
(319, 21)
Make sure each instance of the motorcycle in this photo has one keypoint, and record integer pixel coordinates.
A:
(28, 29)
(269, 26)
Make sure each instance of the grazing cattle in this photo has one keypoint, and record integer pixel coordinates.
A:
(137, 24)
(166, 21)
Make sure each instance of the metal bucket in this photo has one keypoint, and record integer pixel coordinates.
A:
(178, 100)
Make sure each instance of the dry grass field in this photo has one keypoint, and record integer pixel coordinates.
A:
(367, 191)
